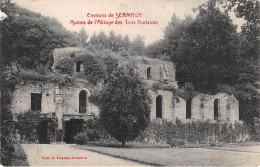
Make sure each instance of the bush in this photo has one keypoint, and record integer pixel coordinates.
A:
(81, 138)
(20, 158)
(193, 132)
(256, 135)
(176, 142)
(27, 125)
(93, 129)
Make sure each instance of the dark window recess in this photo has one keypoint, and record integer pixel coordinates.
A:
(216, 106)
(240, 113)
(82, 101)
(36, 101)
(149, 73)
(188, 109)
(159, 106)
(78, 67)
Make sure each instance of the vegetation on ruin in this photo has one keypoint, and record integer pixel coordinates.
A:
(27, 124)
(186, 92)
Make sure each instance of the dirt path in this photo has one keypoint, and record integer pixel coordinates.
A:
(65, 155)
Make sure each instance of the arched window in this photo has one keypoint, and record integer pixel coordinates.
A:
(159, 106)
(216, 108)
(188, 109)
(149, 73)
(82, 101)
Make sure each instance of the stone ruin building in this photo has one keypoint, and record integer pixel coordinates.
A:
(70, 107)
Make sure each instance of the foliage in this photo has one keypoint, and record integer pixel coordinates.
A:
(137, 46)
(193, 132)
(250, 12)
(186, 93)
(27, 124)
(125, 106)
(256, 135)
(7, 124)
(111, 63)
(81, 138)
(93, 129)
(112, 42)
(93, 132)
(20, 158)
(65, 66)
(29, 38)
(83, 36)
(94, 68)
(33, 76)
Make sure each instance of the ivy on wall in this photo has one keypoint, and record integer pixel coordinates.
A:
(186, 93)
(94, 67)
(65, 66)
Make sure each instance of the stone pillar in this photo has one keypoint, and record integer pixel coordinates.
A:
(58, 110)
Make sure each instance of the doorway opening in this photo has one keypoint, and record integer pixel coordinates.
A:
(72, 128)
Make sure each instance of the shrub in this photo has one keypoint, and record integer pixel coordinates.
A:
(125, 106)
(20, 158)
(81, 138)
(93, 129)
(256, 135)
(27, 125)
(193, 132)
(176, 142)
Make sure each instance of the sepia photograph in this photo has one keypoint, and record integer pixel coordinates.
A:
(130, 83)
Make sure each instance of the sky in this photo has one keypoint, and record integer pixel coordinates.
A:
(152, 10)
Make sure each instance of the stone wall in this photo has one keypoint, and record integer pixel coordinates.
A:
(61, 101)
(22, 97)
(168, 110)
(157, 68)
(202, 108)
(65, 101)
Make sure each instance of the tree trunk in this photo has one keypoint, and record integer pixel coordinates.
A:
(123, 143)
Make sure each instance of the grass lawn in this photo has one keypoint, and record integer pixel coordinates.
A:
(183, 156)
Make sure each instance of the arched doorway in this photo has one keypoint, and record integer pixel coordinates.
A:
(159, 106)
(83, 101)
(216, 108)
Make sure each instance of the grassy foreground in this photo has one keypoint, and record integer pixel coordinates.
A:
(227, 155)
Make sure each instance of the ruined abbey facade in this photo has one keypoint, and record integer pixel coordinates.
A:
(69, 105)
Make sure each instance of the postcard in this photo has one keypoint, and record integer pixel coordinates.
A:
(130, 83)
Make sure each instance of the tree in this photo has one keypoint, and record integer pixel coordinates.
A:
(137, 46)
(124, 106)
(126, 42)
(111, 40)
(83, 36)
(28, 38)
(250, 12)
(207, 52)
